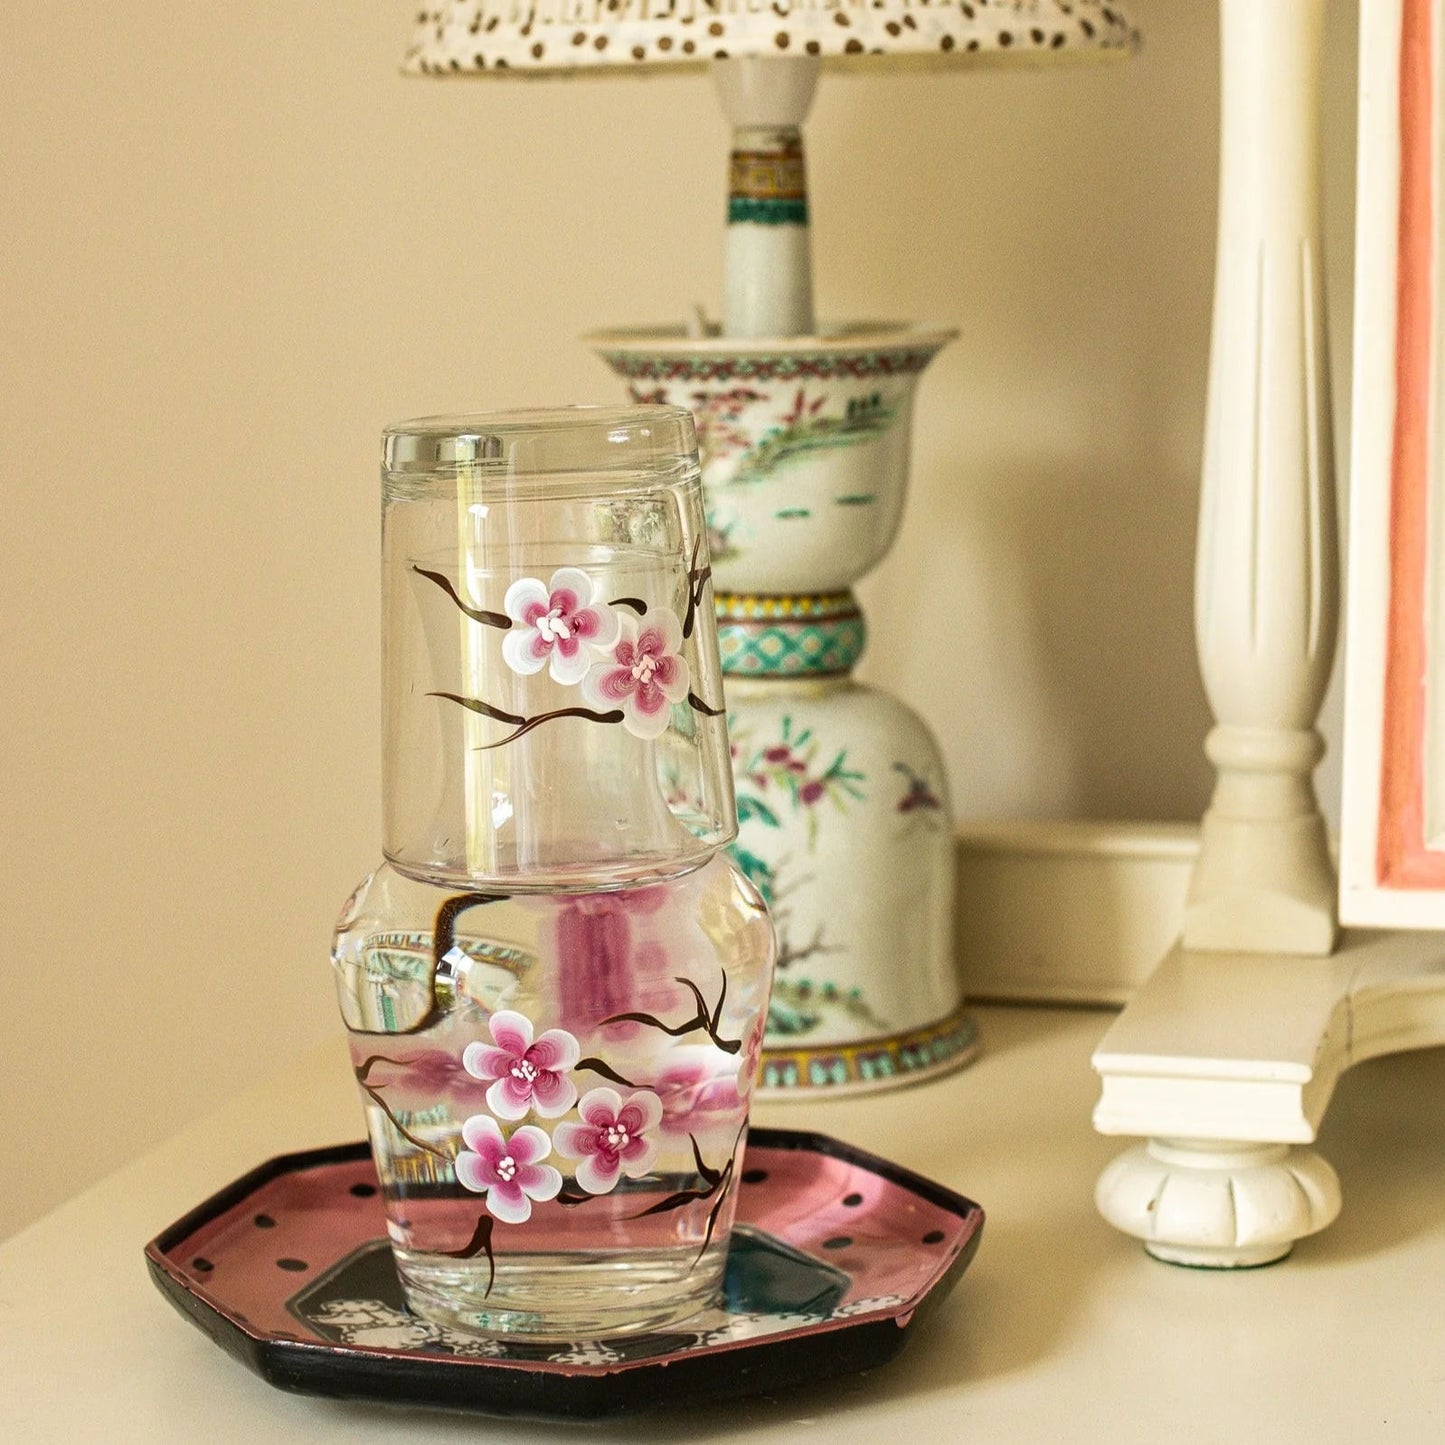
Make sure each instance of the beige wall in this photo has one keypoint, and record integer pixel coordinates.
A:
(236, 243)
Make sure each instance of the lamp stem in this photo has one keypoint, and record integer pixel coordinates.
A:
(768, 284)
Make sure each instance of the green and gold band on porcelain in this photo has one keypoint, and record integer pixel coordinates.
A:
(815, 636)
(907, 1057)
(769, 186)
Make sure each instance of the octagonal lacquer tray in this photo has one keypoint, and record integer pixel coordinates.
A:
(836, 1258)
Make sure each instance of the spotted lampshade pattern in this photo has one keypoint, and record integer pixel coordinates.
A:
(546, 36)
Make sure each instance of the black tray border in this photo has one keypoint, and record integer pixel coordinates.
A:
(516, 1389)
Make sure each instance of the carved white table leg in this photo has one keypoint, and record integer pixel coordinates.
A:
(1226, 1059)
(1225, 1064)
(1218, 1205)
(1267, 565)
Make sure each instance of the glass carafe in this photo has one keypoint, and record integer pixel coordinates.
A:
(555, 985)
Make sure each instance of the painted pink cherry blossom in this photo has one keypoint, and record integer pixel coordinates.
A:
(524, 1074)
(557, 624)
(612, 1138)
(507, 1171)
(645, 675)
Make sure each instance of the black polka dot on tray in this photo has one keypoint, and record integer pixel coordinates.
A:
(838, 1241)
(754, 1176)
(934, 1236)
(202, 1265)
(294, 1265)
(852, 1200)
(363, 1191)
(264, 1221)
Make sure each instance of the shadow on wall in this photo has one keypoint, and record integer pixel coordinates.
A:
(1074, 686)
(1071, 230)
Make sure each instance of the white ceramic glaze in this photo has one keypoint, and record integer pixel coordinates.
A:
(844, 824)
(805, 444)
(860, 854)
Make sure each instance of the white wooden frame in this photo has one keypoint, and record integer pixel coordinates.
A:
(1225, 1061)
(1392, 864)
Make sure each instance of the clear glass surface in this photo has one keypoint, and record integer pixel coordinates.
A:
(552, 690)
(556, 984)
(616, 1033)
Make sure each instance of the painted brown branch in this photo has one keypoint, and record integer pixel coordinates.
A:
(373, 1092)
(442, 939)
(705, 708)
(479, 1243)
(600, 1066)
(443, 933)
(714, 1022)
(363, 1069)
(635, 603)
(475, 704)
(712, 1179)
(716, 1182)
(709, 1024)
(498, 620)
(524, 724)
(722, 1188)
(712, 1214)
(711, 1175)
(613, 716)
(677, 1031)
(697, 580)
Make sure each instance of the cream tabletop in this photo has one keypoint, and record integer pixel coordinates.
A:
(1061, 1330)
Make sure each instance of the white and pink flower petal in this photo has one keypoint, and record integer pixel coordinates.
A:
(509, 1098)
(524, 651)
(555, 1050)
(526, 594)
(540, 1181)
(597, 626)
(472, 1172)
(508, 1202)
(570, 588)
(552, 1094)
(599, 1106)
(647, 717)
(486, 1061)
(569, 668)
(662, 633)
(574, 1141)
(673, 677)
(482, 1136)
(637, 1157)
(642, 1111)
(598, 1173)
(511, 1031)
(607, 684)
(529, 1144)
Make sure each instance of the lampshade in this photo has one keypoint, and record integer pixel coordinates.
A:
(542, 36)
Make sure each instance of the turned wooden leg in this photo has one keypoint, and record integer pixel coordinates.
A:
(1218, 1205)
(1267, 567)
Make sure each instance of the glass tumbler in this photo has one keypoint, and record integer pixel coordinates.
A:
(555, 984)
